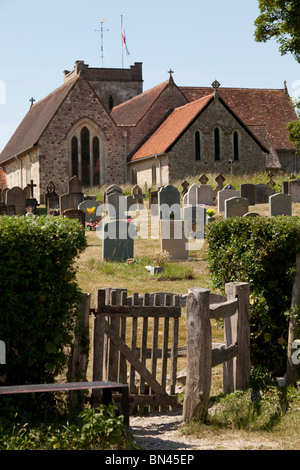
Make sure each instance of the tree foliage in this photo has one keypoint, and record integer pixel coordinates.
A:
(280, 20)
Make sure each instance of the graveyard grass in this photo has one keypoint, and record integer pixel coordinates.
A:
(276, 417)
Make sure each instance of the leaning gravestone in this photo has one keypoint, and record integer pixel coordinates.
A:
(236, 207)
(247, 191)
(280, 204)
(89, 207)
(169, 202)
(223, 195)
(73, 198)
(16, 197)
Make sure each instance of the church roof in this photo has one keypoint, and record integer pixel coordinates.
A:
(176, 123)
(34, 123)
(131, 112)
(271, 108)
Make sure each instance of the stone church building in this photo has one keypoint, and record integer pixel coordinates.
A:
(101, 126)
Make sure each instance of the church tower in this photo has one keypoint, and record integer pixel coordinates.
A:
(112, 85)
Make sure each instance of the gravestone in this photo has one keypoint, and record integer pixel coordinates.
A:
(195, 219)
(280, 204)
(16, 197)
(247, 191)
(251, 214)
(192, 195)
(153, 203)
(89, 207)
(185, 184)
(137, 194)
(51, 198)
(205, 195)
(294, 190)
(75, 214)
(7, 210)
(169, 202)
(285, 187)
(262, 193)
(220, 184)
(173, 239)
(117, 240)
(73, 198)
(236, 207)
(116, 204)
(224, 194)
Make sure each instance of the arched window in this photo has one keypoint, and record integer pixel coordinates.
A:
(74, 150)
(96, 161)
(153, 169)
(85, 156)
(217, 143)
(236, 150)
(197, 146)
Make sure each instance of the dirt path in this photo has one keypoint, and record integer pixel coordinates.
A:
(162, 432)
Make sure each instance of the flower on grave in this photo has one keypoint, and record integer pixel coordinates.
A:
(130, 261)
(210, 212)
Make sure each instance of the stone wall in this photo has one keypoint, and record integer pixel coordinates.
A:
(182, 155)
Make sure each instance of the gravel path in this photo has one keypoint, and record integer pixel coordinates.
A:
(162, 432)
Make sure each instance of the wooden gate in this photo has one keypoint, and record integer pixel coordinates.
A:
(130, 346)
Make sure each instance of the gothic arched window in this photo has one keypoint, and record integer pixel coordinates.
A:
(197, 146)
(96, 161)
(74, 149)
(85, 156)
(217, 143)
(236, 150)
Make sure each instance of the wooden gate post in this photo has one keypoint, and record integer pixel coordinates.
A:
(199, 356)
(236, 372)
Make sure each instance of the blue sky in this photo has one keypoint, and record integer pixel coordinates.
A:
(201, 41)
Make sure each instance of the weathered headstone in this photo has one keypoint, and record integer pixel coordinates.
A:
(236, 207)
(16, 197)
(7, 210)
(153, 203)
(169, 202)
(220, 184)
(51, 198)
(280, 204)
(117, 240)
(75, 214)
(294, 190)
(262, 193)
(247, 190)
(185, 184)
(205, 195)
(137, 194)
(116, 204)
(89, 207)
(73, 198)
(224, 194)
(173, 239)
(192, 195)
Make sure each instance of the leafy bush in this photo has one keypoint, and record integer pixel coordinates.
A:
(260, 251)
(38, 295)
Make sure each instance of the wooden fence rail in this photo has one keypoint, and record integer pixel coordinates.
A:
(201, 356)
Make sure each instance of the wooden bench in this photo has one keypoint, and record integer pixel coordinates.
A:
(106, 387)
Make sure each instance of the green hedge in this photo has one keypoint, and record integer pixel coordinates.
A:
(260, 251)
(38, 294)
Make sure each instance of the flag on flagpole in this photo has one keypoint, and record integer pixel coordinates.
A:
(124, 40)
